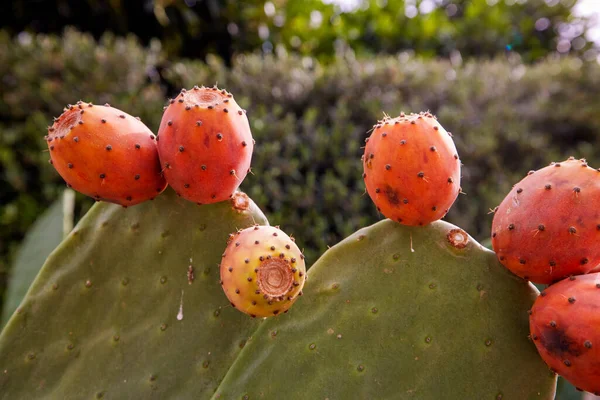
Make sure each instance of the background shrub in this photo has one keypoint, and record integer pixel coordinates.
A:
(321, 29)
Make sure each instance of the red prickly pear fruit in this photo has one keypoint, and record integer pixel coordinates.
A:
(565, 327)
(205, 144)
(548, 227)
(411, 169)
(262, 271)
(106, 154)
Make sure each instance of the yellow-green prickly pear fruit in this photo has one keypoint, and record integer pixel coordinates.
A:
(262, 271)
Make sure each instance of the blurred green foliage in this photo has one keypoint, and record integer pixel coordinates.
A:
(319, 28)
(309, 121)
(480, 28)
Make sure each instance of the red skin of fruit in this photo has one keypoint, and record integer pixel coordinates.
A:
(262, 271)
(548, 226)
(205, 144)
(106, 154)
(565, 327)
(411, 169)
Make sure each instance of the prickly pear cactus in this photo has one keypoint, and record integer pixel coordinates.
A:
(379, 321)
(129, 306)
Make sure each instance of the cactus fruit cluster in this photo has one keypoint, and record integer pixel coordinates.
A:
(205, 153)
(411, 307)
(546, 230)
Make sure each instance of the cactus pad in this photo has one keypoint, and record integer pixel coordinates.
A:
(379, 321)
(129, 306)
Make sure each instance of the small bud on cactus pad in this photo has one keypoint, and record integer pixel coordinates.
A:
(565, 327)
(411, 169)
(262, 271)
(106, 154)
(205, 144)
(548, 228)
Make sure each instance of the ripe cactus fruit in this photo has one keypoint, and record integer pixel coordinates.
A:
(205, 144)
(129, 306)
(106, 154)
(379, 321)
(548, 228)
(565, 327)
(262, 271)
(411, 169)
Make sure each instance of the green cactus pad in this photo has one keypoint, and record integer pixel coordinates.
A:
(112, 314)
(379, 321)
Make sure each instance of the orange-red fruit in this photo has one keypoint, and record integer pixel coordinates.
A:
(205, 144)
(548, 226)
(411, 169)
(106, 154)
(262, 271)
(565, 327)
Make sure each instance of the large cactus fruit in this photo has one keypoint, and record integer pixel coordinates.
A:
(548, 227)
(565, 327)
(205, 144)
(262, 271)
(379, 321)
(129, 306)
(106, 154)
(411, 169)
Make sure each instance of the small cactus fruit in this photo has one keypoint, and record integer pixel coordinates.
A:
(205, 144)
(548, 228)
(411, 169)
(262, 271)
(106, 154)
(565, 327)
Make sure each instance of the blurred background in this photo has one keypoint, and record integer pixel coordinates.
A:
(516, 81)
